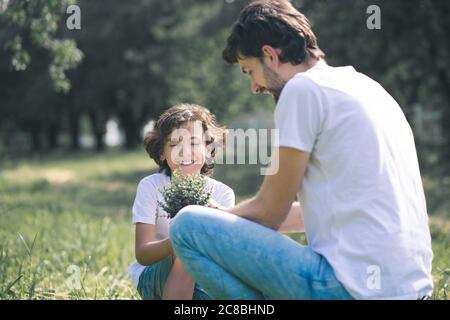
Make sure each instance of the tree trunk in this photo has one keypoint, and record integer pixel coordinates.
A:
(53, 131)
(132, 131)
(74, 129)
(99, 144)
(132, 137)
(36, 143)
(98, 130)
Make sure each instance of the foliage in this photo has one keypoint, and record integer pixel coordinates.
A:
(140, 57)
(35, 23)
(184, 190)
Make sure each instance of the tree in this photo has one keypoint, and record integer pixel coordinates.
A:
(34, 65)
(34, 23)
(409, 56)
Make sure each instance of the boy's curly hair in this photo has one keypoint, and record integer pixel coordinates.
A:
(174, 118)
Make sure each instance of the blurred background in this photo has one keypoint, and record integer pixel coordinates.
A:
(74, 105)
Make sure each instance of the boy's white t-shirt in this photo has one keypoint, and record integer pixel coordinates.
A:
(146, 208)
(362, 195)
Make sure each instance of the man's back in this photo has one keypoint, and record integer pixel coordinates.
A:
(362, 194)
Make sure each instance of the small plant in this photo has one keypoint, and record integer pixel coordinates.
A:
(184, 190)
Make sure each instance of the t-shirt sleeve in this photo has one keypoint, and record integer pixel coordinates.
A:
(299, 115)
(225, 196)
(145, 203)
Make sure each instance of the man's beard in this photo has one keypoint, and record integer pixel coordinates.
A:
(274, 83)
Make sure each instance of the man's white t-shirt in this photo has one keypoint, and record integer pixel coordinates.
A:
(362, 195)
(146, 208)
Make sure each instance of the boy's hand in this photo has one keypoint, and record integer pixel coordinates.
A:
(214, 204)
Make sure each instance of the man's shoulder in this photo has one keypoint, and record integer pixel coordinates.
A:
(327, 80)
(314, 79)
(301, 87)
(303, 81)
(330, 76)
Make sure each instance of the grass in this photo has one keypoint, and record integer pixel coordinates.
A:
(64, 219)
(66, 233)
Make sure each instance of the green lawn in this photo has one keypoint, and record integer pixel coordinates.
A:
(67, 218)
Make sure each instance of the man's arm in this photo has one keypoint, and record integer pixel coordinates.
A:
(272, 203)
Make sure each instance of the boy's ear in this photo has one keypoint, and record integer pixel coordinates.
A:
(162, 157)
(209, 149)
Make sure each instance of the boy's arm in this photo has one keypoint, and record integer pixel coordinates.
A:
(180, 284)
(148, 250)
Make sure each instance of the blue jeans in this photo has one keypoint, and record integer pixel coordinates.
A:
(154, 277)
(234, 258)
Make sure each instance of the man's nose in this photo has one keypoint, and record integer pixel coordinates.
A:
(255, 88)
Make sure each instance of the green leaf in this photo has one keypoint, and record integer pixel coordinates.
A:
(184, 190)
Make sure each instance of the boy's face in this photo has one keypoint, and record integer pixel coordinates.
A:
(185, 149)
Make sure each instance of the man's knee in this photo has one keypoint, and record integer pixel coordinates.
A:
(183, 221)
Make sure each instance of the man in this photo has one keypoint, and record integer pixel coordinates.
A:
(347, 149)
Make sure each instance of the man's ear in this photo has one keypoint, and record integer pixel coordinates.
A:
(271, 55)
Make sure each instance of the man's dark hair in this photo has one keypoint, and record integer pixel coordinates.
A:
(276, 23)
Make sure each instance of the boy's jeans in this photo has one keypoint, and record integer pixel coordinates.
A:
(234, 258)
